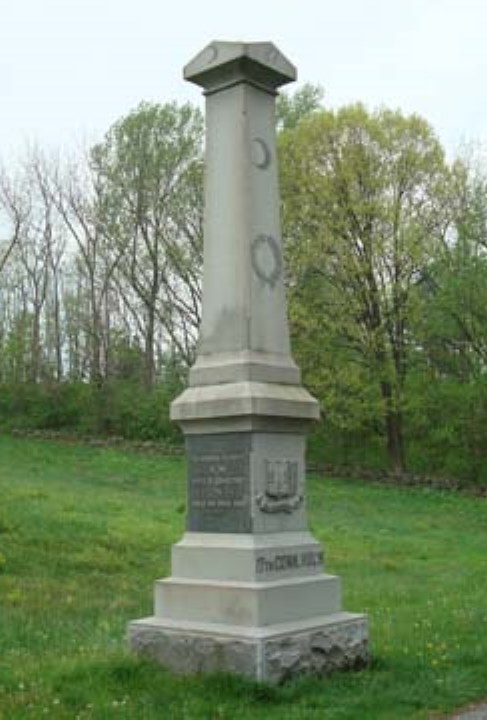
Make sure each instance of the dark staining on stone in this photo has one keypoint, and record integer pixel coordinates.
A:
(261, 155)
(266, 259)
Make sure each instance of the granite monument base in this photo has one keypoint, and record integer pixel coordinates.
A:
(272, 653)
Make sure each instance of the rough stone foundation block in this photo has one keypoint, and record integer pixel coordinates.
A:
(318, 646)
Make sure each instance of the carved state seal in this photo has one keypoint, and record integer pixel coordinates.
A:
(281, 492)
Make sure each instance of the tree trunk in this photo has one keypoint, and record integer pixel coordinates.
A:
(57, 330)
(35, 351)
(96, 376)
(149, 350)
(394, 434)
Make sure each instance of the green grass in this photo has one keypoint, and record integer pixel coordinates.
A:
(84, 532)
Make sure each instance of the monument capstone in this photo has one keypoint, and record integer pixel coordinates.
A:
(248, 593)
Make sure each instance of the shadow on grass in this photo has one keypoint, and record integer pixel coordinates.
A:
(104, 679)
(145, 689)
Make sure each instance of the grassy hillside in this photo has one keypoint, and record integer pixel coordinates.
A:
(85, 531)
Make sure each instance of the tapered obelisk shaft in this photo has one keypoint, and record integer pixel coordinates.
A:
(243, 305)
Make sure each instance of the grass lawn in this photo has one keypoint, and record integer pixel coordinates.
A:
(85, 531)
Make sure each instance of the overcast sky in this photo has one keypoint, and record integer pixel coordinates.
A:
(69, 68)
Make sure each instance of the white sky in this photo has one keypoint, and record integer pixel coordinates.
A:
(69, 68)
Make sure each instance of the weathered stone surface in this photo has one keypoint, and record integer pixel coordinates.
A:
(274, 656)
(221, 64)
(243, 399)
(186, 653)
(244, 370)
(340, 647)
(247, 604)
(257, 557)
(244, 329)
(477, 712)
(246, 365)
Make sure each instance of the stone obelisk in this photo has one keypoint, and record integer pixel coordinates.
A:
(248, 593)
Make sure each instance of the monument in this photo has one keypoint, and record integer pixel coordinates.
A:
(248, 593)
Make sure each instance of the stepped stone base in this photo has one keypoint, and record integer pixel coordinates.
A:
(257, 605)
(272, 653)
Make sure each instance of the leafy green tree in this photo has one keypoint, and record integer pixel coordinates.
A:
(447, 391)
(365, 206)
(455, 287)
(15, 358)
(293, 108)
(149, 168)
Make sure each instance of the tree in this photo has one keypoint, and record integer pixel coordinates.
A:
(76, 190)
(448, 406)
(149, 169)
(458, 282)
(14, 213)
(364, 207)
(34, 255)
(292, 108)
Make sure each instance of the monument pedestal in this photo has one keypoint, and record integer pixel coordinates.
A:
(248, 592)
(258, 605)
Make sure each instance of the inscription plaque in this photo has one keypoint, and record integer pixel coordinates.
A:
(219, 483)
